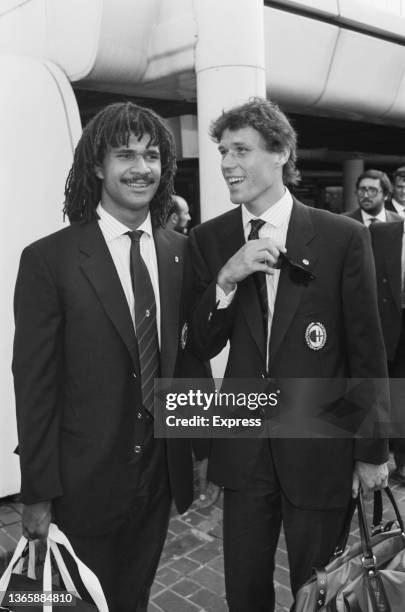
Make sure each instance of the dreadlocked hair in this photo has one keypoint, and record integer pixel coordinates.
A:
(112, 127)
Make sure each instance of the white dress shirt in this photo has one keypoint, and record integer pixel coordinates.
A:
(119, 245)
(367, 219)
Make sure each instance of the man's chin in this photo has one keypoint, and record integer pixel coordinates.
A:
(237, 200)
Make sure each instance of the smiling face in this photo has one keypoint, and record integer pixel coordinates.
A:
(253, 174)
(130, 176)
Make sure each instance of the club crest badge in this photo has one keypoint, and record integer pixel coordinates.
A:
(183, 336)
(315, 336)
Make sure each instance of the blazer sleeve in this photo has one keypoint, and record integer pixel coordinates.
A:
(365, 348)
(210, 327)
(37, 369)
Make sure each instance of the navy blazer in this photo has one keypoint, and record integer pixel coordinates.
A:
(77, 383)
(387, 248)
(313, 473)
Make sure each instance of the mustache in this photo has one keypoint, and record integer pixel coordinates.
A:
(139, 176)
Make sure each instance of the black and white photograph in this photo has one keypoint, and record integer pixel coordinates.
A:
(203, 305)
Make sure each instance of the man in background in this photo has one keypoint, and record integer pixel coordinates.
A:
(373, 189)
(397, 202)
(178, 217)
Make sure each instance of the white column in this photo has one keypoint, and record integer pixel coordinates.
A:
(230, 69)
(352, 168)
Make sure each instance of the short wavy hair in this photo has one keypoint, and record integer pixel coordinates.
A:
(271, 123)
(379, 175)
(112, 127)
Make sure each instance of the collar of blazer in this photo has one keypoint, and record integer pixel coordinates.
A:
(98, 266)
(289, 292)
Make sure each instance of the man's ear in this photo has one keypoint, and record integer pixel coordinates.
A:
(283, 157)
(98, 171)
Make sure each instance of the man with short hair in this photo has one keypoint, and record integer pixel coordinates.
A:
(178, 217)
(373, 189)
(397, 202)
(97, 320)
(292, 288)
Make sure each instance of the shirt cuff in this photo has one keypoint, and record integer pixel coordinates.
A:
(224, 299)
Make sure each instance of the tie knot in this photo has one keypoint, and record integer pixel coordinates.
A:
(135, 235)
(256, 224)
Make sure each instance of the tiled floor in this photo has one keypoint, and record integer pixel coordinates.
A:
(190, 577)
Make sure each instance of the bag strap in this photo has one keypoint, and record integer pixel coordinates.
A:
(89, 579)
(63, 570)
(368, 559)
(5, 579)
(378, 508)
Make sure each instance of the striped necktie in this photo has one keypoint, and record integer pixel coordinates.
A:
(145, 321)
(260, 277)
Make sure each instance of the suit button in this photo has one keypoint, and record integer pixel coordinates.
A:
(137, 449)
(139, 415)
(263, 375)
(134, 374)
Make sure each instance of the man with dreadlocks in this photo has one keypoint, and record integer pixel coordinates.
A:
(97, 318)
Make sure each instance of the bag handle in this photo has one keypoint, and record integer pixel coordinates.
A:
(368, 557)
(5, 578)
(89, 579)
(378, 508)
(55, 537)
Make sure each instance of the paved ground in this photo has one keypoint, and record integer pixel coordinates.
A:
(190, 575)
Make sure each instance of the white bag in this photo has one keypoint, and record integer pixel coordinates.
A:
(55, 538)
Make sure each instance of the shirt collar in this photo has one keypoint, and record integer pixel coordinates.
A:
(112, 228)
(277, 215)
(381, 216)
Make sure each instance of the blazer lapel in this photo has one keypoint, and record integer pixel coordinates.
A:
(170, 266)
(99, 268)
(233, 240)
(300, 233)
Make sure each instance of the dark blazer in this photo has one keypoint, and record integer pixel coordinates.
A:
(387, 247)
(389, 206)
(312, 473)
(356, 214)
(78, 397)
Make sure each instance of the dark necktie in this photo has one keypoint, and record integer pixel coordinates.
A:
(260, 277)
(145, 320)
